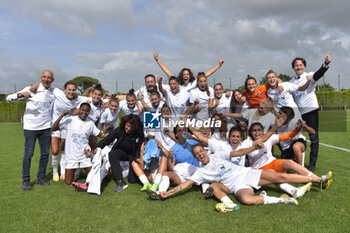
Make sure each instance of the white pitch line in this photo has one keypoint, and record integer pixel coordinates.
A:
(335, 147)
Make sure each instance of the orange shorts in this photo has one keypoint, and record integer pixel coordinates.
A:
(275, 165)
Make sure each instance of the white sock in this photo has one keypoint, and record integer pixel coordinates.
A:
(63, 164)
(205, 186)
(226, 199)
(143, 179)
(272, 200)
(164, 184)
(290, 189)
(125, 173)
(158, 178)
(54, 163)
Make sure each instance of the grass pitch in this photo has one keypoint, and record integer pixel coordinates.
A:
(61, 209)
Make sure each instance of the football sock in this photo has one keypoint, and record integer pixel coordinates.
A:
(205, 186)
(226, 199)
(63, 164)
(54, 163)
(164, 184)
(272, 200)
(143, 179)
(158, 178)
(287, 188)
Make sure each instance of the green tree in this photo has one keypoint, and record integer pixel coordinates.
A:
(283, 77)
(84, 82)
(325, 87)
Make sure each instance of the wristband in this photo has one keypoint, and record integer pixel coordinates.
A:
(163, 149)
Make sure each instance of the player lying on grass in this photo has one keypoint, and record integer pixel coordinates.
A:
(239, 180)
(79, 128)
(264, 159)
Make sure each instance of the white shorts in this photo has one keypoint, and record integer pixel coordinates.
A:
(184, 171)
(59, 133)
(81, 164)
(249, 179)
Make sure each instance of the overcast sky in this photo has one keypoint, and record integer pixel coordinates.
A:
(114, 40)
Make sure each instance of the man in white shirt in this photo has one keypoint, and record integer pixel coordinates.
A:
(307, 100)
(36, 124)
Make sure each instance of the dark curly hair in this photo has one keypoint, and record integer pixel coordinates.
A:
(135, 122)
(181, 74)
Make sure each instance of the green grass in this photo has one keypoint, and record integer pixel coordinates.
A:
(61, 209)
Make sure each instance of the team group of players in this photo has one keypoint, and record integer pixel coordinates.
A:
(221, 141)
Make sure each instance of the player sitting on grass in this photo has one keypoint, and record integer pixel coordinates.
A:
(239, 180)
(79, 128)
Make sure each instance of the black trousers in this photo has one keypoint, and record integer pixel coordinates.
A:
(311, 119)
(117, 155)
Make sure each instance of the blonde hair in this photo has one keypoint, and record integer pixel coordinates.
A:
(269, 104)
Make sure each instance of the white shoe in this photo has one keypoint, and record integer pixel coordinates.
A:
(300, 192)
(226, 207)
(289, 200)
(55, 177)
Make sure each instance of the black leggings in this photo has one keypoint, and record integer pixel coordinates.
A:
(117, 155)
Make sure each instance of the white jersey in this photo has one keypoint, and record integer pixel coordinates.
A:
(306, 100)
(177, 102)
(95, 111)
(224, 107)
(261, 157)
(189, 86)
(220, 169)
(241, 108)
(38, 113)
(285, 98)
(267, 120)
(286, 129)
(146, 94)
(78, 132)
(158, 108)
(224, 104)
(109, 118)
(124, 107)
(63, 103)
(216, 146)
(203, 98)
(164, 138)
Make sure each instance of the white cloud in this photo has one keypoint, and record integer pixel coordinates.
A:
(78, 17)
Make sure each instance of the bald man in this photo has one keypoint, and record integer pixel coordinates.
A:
(36, 125)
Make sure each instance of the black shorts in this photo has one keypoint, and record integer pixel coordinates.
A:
(289, 153)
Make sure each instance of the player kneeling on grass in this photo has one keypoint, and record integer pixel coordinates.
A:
(230, 178)
(79, 128)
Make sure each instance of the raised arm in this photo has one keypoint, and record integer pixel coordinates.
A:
(320, 72)
(145, 106)
(248, 150)
(215, 68)
(34, 87)
(198, 135)
(162, 66)
(160, 86)
(306, 85)
(55, 125)
(280, 119)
